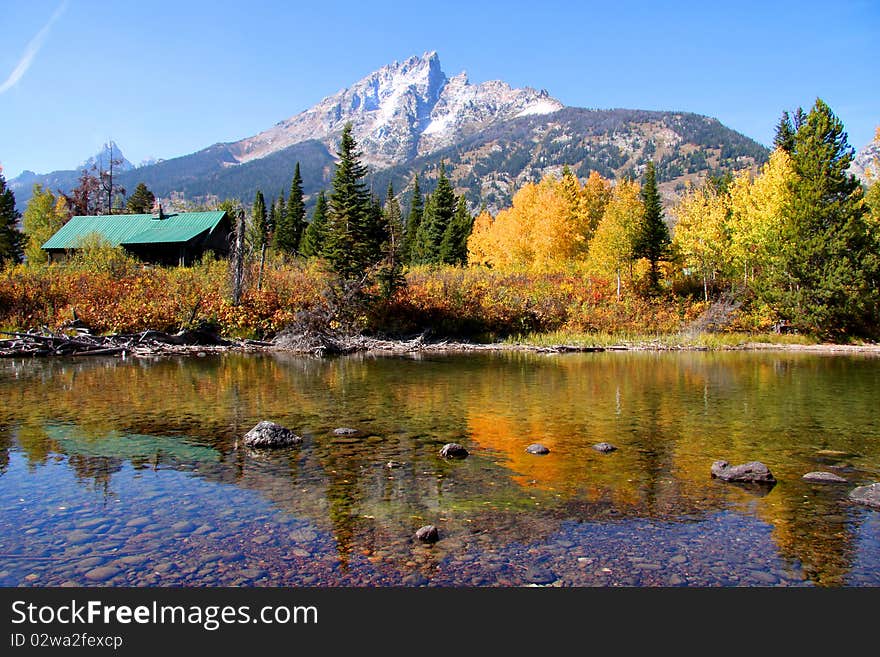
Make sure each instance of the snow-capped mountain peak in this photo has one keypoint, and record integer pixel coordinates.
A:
(400, 111)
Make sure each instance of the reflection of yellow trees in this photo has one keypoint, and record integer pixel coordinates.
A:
(670, 415)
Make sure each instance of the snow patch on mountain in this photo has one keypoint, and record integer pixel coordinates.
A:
(400, 111)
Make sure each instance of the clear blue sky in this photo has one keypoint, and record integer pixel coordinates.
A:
(166, 78)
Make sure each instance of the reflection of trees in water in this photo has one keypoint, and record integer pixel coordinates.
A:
(96, 472)
(5, 445)
(671, 415)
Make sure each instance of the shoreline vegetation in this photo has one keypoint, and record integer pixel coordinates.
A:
(200, 343)
(787, 256)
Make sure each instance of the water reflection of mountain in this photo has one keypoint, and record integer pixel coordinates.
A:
(670, 415)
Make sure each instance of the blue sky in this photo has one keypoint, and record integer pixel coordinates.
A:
(167, 78)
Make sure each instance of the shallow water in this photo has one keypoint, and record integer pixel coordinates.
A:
(128, 473)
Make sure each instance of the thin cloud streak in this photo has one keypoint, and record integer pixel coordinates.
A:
(33, 47)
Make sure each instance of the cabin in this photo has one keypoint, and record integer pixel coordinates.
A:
(179, 238)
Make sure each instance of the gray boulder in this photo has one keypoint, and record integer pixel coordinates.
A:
(869, 495)
(453, 451)
(427, 534)
(753, 472)
(605, 448)
(824, 478)
(538, 448)
(269, 434)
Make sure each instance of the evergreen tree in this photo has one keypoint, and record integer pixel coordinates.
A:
(438, 213)
(258, 231)
(289, 233)
(141, 201)
(312, 244)
(785, 134)
(652, 237)
(832, 273)
(11, 238)
(413, 222)
(350, 246)
(453, 248)
(390, 274)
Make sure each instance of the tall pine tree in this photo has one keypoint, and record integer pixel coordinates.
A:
(390, 276)
(652, 237)
(831, 283)
(258, 233)
(413, 222)
(439, 210)
(453, 248)
(289, 234)
(312, 243)
(350, 247)
(11, 238)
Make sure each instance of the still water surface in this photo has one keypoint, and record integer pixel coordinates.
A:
(128, 473)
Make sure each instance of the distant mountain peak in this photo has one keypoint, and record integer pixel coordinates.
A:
(400, 111)
(101, 160)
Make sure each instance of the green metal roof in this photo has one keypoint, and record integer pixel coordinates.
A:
(122, 229)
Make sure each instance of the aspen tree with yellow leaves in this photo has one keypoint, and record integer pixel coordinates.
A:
(702, 233)
(612, 247)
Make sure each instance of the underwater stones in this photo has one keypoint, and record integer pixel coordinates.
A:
(869, 495)
(605, 448)
(824, 478)
(753, 472)
(269, 434)
(453, 451)
(537, 448)
(345, 431)
(427, 534)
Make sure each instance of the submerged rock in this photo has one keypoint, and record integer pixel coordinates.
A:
(753, 472)
(453, 451)
(345, 431)
(537, 448)
(269, 434)
(869, 495)
(427, 534)
(605, 448)
(824, 478)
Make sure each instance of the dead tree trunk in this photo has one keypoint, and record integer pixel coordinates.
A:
(238, 258)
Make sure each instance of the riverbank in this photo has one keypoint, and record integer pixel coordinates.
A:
(200, 343)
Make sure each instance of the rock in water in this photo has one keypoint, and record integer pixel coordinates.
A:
(428, 534)
(869, 495)
(605, 448)
(345, 431)
(269, 434)
(824, 478)
(537, 448)
(753, 472)
(453, 451)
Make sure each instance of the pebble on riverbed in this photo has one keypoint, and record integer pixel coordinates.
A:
(869, 495)
(427, 534)
(753, 472)
(345, 431)
(537, 448)
(824, 478)
(605, 448)
(270, 434)
(453, 451)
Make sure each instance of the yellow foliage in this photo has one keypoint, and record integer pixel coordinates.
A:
(611, 250)
(702, 233)
(548, 226)
(757, 209)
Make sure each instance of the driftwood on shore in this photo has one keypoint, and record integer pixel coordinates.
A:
(327, 343)
(145, 343)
